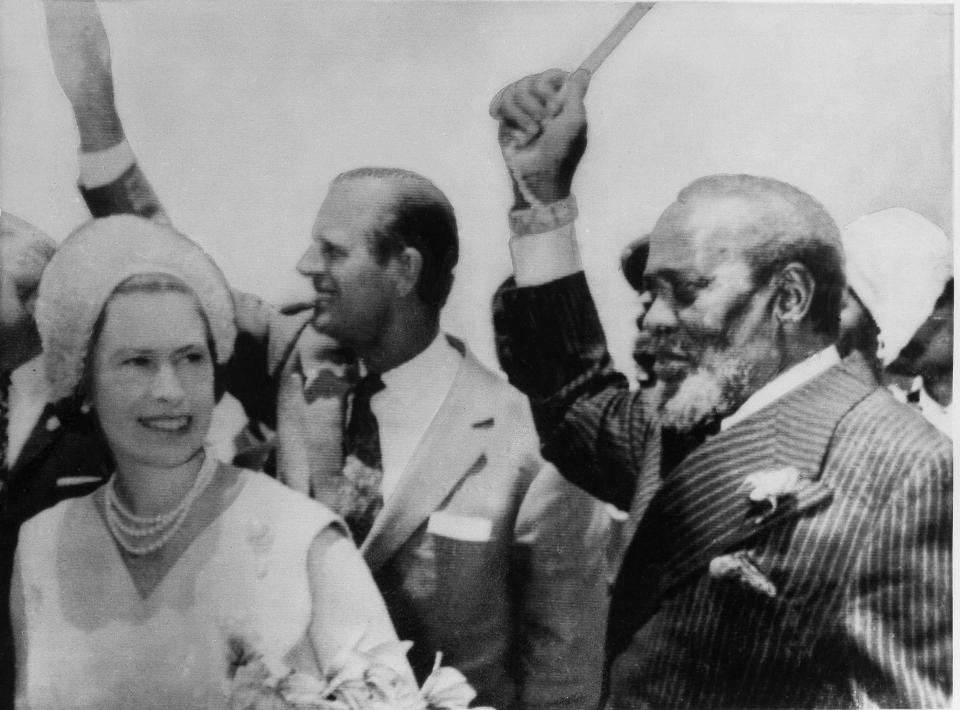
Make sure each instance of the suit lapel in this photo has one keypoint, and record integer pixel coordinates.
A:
(648, 482)
(701, 510)
(46, 431)
(452, 448)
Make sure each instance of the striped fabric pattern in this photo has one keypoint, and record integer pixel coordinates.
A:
(862, 606)
(863, 584)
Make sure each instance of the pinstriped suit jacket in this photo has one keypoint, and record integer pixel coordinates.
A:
(858, 565)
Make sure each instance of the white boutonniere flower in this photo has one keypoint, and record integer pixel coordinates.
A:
(770, 486)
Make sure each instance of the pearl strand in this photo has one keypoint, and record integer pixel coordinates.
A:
(124, 524)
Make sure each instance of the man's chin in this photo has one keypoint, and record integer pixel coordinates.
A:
(671, 372)
(714, 391)
(689, 401)
(324, 325)
(321, 323)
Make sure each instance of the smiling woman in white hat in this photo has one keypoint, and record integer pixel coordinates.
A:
(133, 596)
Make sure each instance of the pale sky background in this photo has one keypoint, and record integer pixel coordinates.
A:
(242, 112)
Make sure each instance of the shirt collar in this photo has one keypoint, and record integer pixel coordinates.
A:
(408, 404)
(431, 370)
(785, 382)
(937, 414)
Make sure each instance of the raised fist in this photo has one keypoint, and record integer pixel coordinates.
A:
(543, 127)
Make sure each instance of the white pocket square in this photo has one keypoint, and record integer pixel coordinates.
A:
(76, 480)
(468, 528)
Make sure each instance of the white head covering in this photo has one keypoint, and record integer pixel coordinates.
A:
(897, 263)
(97, 258)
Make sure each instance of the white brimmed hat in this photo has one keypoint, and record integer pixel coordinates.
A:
(97, 258)
(897, 263)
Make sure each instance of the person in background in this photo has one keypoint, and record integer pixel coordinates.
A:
(38, 434)
(926, 362)
(137, 594)
(481, 550)
(794, 546)
(897, 264)
(632, 263)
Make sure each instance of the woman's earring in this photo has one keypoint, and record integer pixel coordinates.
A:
(86, 407)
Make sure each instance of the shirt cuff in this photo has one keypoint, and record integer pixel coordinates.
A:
(104, 166)
(544, 257)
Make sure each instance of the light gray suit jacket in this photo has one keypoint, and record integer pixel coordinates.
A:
(483, 552)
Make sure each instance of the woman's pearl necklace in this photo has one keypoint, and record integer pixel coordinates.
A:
(142, 534)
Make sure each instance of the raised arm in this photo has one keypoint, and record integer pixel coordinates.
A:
(110, 179)
(593, 429)
(348, 611)
(112, 182)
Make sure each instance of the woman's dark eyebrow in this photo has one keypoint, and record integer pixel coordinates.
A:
(124, 353)
(127, 352)
(188, 347)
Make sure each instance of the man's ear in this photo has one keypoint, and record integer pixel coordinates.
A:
(409, 263)
(794, 296)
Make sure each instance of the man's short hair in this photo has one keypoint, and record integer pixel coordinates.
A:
(423, 218)
(633, 262)
(789, 226)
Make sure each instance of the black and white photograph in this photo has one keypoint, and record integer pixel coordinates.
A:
(435, 355)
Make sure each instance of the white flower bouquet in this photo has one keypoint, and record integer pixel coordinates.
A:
(358, 680)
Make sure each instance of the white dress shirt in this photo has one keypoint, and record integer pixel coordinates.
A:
(28, 398)
(102, 167)
(934, 412)
(407, 405)
(544, 257)
(787, 381)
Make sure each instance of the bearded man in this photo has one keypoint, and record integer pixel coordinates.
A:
(793, 546)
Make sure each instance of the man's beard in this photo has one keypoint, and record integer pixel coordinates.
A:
(723, 379)
(716, 388)
(644, 357)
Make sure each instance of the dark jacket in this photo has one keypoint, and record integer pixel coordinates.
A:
(842, 591)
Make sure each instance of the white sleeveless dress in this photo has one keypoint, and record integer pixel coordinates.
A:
(94, 642)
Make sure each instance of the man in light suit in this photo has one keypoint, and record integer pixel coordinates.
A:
(482, 551)
(794, 543)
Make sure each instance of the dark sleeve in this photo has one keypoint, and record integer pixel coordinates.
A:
(247, 377)
(131, 193)
(551, 345)
(264, 341)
